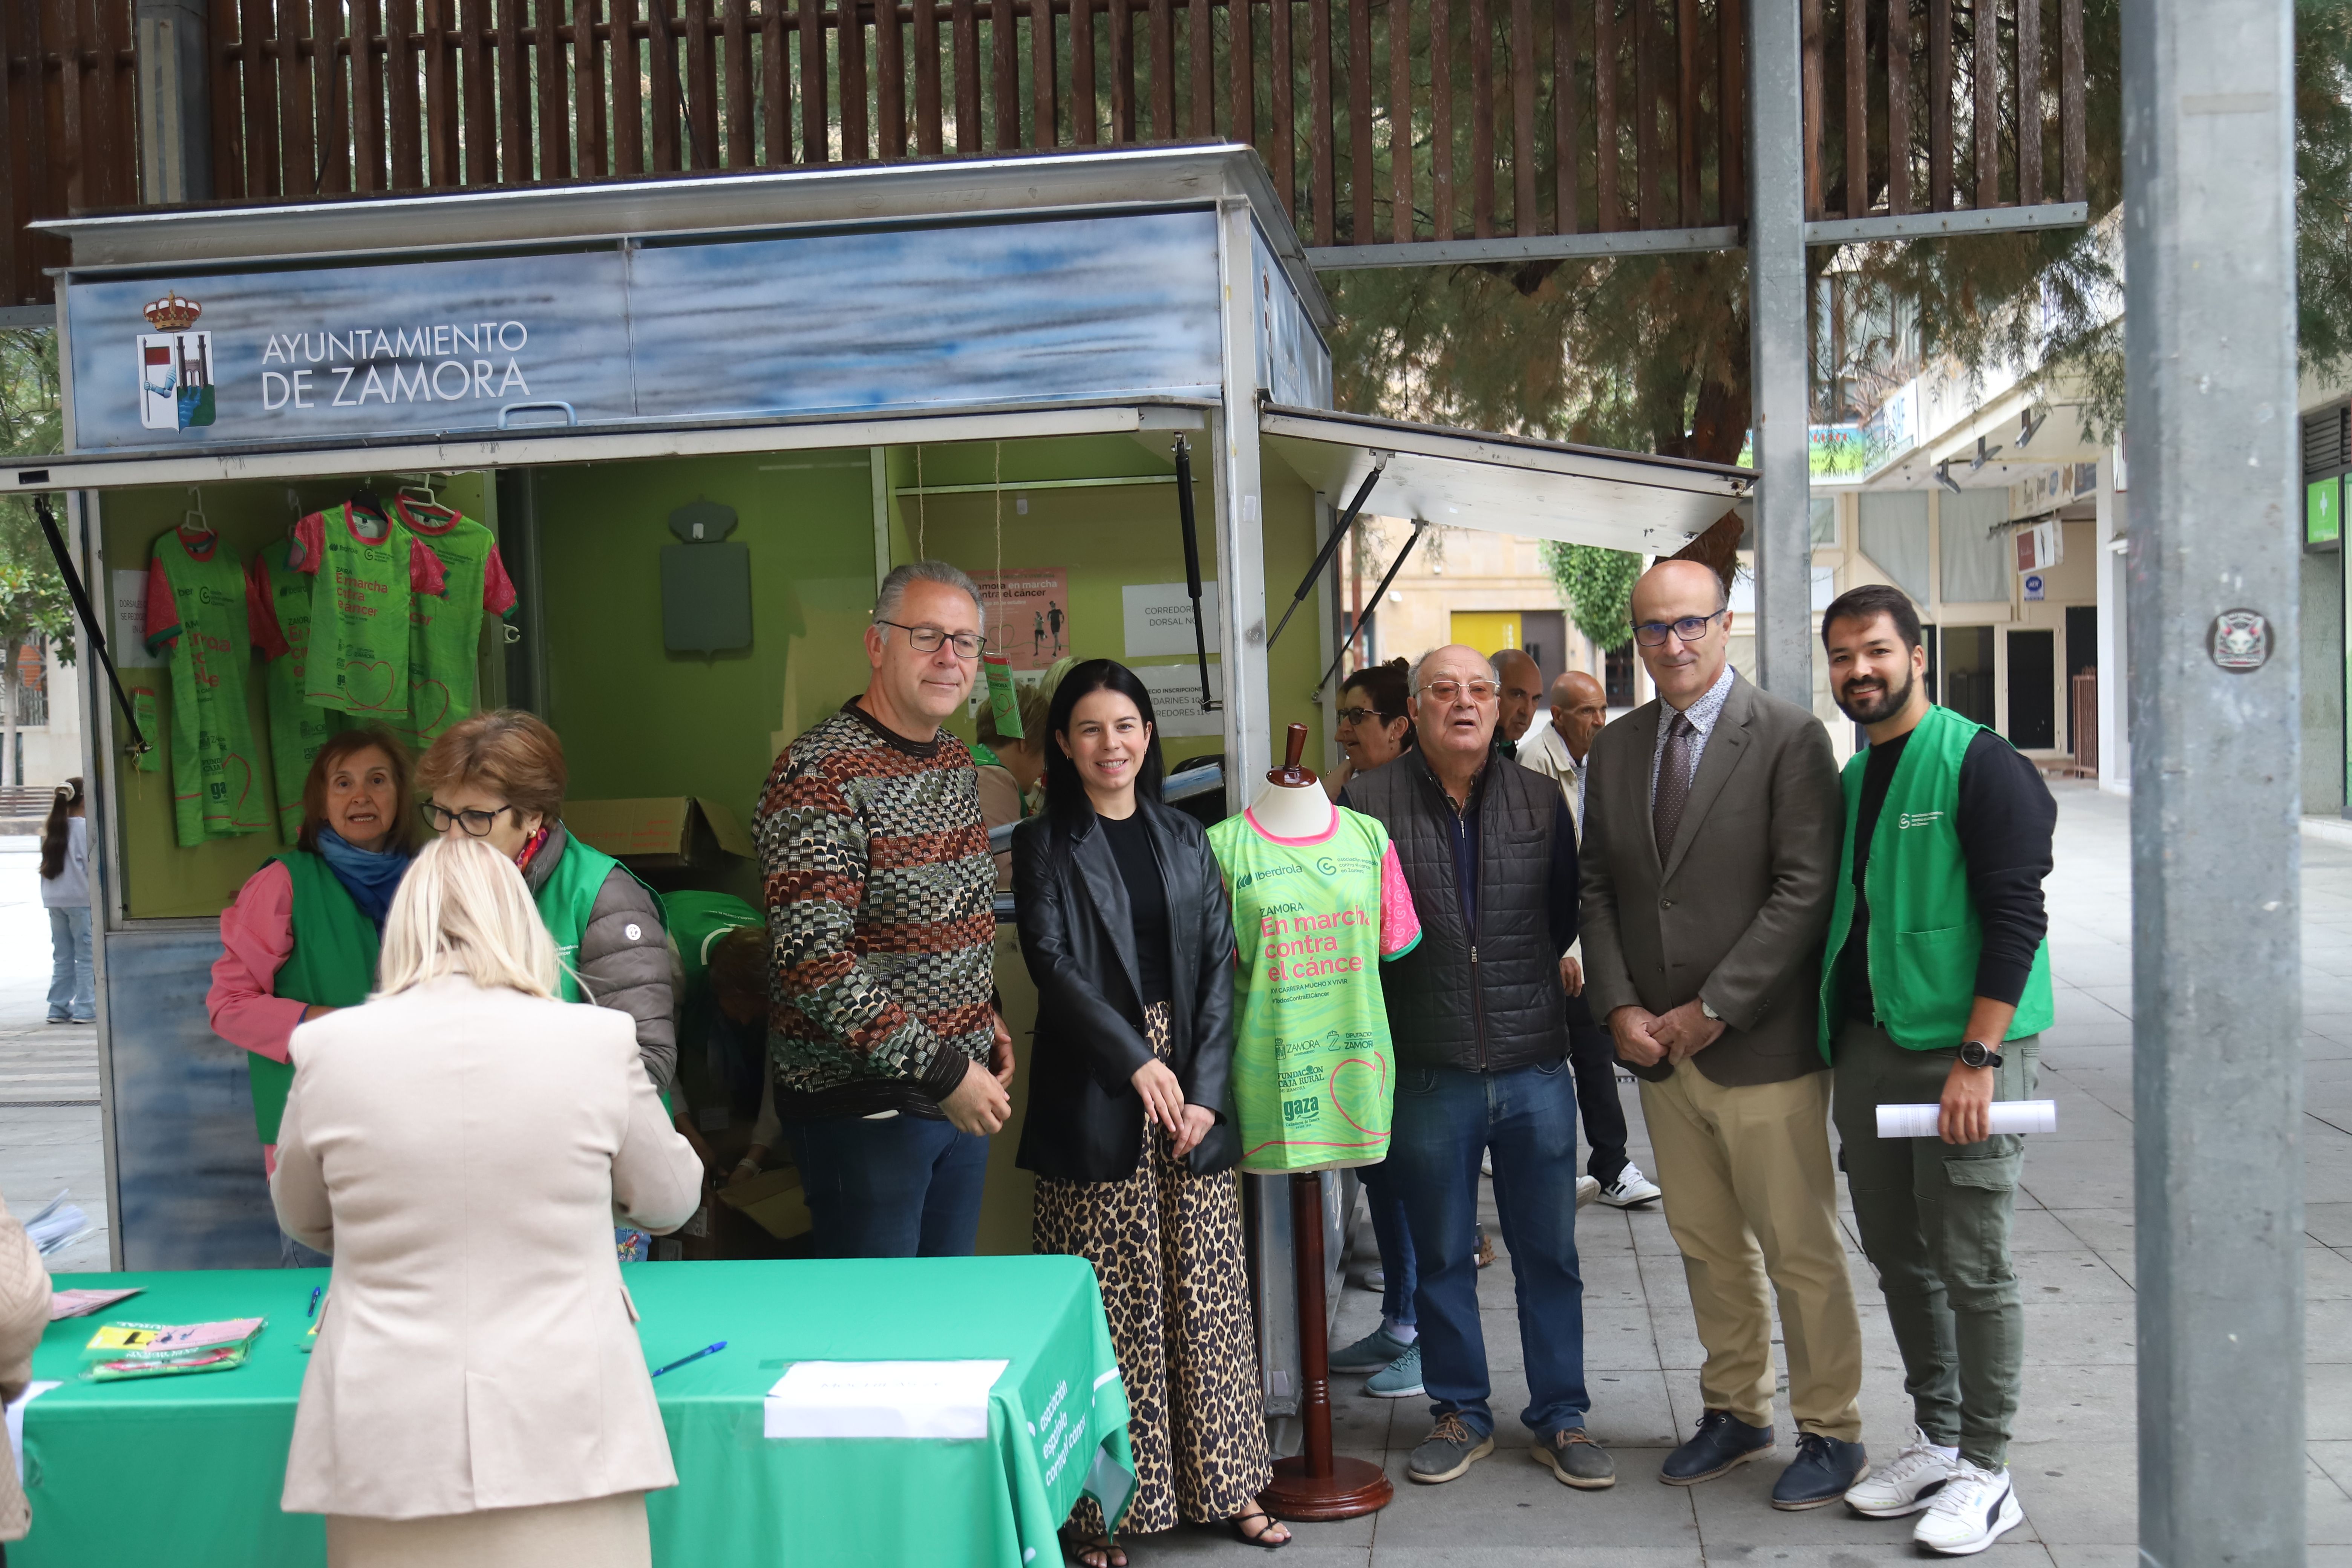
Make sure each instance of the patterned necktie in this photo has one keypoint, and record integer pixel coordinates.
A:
(1674, 785)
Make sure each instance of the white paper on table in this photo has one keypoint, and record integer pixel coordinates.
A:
(883, 1399)
(17, 1421)
(2009, 1116)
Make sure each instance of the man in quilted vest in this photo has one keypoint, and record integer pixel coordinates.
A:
(1480, 1030)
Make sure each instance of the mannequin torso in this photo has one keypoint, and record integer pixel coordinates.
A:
(1293, 811)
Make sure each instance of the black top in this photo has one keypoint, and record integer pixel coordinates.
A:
(2004, 820)
(1146, 901)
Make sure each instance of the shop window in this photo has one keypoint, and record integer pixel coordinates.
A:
(33, 685)
(2032, 690)
(1967, 669)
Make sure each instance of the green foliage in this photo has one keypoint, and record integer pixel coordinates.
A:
(1598, 587)
(33, 599)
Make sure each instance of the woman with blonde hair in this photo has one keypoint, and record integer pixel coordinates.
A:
(460, 1143)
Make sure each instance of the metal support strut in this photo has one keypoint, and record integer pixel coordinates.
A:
(1357, 629)
(1331, 545)
(1209, 704)
(139, 743)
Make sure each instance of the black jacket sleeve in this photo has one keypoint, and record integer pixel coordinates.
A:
(1564, 894)
(1066, 993)
(2005, 821)
(1213, 1008)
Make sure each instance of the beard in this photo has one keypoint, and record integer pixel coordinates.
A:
(1880, 702)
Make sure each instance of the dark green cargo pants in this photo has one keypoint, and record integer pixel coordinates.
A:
(1935, 1221)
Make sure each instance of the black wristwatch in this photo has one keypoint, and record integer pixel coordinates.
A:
(1977, 1054)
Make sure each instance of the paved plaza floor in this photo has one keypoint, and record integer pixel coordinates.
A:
(2074, 1457)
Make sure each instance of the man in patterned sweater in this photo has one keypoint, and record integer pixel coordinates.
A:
(890, 1063)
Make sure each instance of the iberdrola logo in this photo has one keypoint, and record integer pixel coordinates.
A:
(176, 366)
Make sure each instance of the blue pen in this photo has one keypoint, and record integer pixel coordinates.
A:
(315, 1291)
(697, 1355)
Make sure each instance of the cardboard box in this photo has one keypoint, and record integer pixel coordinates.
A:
(665, 833)
(773, 1202)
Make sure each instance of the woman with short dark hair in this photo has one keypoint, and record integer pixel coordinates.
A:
(1127, 931)
(1375, 721)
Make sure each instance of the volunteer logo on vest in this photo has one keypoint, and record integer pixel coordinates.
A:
(176, 366)
(1918, 818)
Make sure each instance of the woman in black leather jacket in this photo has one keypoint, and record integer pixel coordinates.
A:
(1127, 931)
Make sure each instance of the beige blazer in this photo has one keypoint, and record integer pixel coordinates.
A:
(462, 1151)
(23, 1317)
(1735, 912)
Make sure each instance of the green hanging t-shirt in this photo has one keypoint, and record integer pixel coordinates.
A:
(197, 613)
(444, 630)
(364, 573)
(278, 605)
(1314, 1077)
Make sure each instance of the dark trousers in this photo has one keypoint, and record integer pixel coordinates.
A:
(1592, 1052)
(905, 1186)
(1444, 1118)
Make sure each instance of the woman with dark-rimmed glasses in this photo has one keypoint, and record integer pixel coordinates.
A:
(1375, 722)
(499, 777)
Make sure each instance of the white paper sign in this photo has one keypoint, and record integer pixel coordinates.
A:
(1159, 618)
(130, 634)
(883, 1399)
(16, 1421)
(2008, 1116)
(1176, 697)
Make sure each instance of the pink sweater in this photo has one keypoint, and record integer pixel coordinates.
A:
(257, 934)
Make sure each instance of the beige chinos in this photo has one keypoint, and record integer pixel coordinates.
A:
(1747, 1178)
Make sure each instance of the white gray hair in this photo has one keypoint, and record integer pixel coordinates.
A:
(894, 586)
(1491, 673)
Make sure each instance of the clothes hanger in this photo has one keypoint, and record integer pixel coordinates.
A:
(193, 525)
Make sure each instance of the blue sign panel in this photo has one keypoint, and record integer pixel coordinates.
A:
(1059, 310)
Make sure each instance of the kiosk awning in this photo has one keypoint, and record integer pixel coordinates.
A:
(533, 446)
(1505, 484)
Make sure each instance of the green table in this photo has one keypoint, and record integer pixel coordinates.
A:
(188, 1470)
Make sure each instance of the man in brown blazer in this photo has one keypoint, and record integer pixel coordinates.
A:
(1711, 838)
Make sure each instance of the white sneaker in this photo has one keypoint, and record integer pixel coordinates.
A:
(1974, 1509)
(1631, 1188)
(1907, 1485)
(1486, 1163)
(1586, 1189)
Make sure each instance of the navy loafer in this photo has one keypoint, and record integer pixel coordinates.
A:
(1823, 1470)
(1722, 1442)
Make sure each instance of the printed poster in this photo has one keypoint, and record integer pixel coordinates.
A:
(1028, 613)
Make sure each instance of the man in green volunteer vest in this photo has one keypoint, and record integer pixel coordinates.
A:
(1936, 992)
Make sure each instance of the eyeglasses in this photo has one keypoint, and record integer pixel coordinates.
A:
(477, 824)
(1450, 690)
(1690, 628)
(927, 639)
(1361, 715)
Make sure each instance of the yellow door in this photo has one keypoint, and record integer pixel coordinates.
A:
(1488, 631)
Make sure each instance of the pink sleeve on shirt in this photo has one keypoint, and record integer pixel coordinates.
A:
(309, 545)
(163, 627)
(257, 934)
(261, 611)
(498, 588)
(425, 572)
(1400, 922)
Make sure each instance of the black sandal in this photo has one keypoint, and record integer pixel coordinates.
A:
(1266, 1523)
(1092, 1550)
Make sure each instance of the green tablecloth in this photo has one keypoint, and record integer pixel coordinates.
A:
(187, 1470)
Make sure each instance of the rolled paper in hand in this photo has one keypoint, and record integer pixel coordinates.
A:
(2008, 1116)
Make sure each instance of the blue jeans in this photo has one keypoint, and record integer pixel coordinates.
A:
(1445, 1118)
(905, 1186)
(1394, 1239)
(73, 993)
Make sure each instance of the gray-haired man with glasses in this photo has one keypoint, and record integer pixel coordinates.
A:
(1711, 837)
(1477, 1012)
(891, 1064)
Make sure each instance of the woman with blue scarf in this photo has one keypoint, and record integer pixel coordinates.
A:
(301, 938)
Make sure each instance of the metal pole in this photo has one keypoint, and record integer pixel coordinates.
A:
(1778, 372)
(176, 104)
(2209, 235)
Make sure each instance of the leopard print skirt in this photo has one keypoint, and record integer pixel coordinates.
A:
(1167, 1250)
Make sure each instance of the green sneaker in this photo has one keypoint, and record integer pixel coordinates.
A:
(1370, 1354)
(1400, 1379)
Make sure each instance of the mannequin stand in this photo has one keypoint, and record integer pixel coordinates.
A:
(1318, 1486)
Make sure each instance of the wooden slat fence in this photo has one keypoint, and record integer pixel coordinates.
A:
(68, 126)
(1383, 121)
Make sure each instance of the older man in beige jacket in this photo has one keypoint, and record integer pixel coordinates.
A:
(24, 1314)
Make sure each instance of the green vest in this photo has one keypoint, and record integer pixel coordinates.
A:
(1925, 936)
(568, 899)
(698, 919)
(332, 965)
